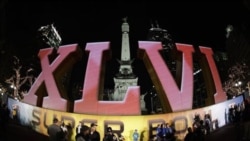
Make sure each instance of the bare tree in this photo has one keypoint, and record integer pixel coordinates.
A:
(16, 81)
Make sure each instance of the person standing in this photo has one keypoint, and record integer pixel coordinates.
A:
(65, 131)
(94, 134)
(110, 136)
(190, 135)
(135, 135)
(84, 134)
(78, 128)
(55, 131)
(4, 116)
(159, 132)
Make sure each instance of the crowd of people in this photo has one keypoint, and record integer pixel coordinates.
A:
(237, 114)
(58, 131)
(164, 132)
(199, 129)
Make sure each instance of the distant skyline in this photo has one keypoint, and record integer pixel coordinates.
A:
(196, 23)
(199, 23)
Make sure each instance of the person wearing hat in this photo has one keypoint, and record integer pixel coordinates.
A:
(94, 134)
(84, 134)
(110, 136)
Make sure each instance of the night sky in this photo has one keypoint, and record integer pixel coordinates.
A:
(197, 23)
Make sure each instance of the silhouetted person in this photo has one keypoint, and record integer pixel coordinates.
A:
(55, 131)
(4, 116)
(110, 136)
(84, 134)
(190, 135)
(148, 103)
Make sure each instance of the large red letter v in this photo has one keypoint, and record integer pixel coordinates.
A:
(171, 97)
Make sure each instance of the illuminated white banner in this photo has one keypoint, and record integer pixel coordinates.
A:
(40, 118)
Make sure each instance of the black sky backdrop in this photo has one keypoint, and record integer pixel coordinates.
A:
(190, 22)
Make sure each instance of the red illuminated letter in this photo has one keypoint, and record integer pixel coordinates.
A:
(220, 95)
(50, 75)
(89, 103)
(173, 98)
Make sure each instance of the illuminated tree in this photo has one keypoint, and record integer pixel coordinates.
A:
(238, 79)
(17, 80)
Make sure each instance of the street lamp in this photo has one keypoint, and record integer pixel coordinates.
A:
(238, 86)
